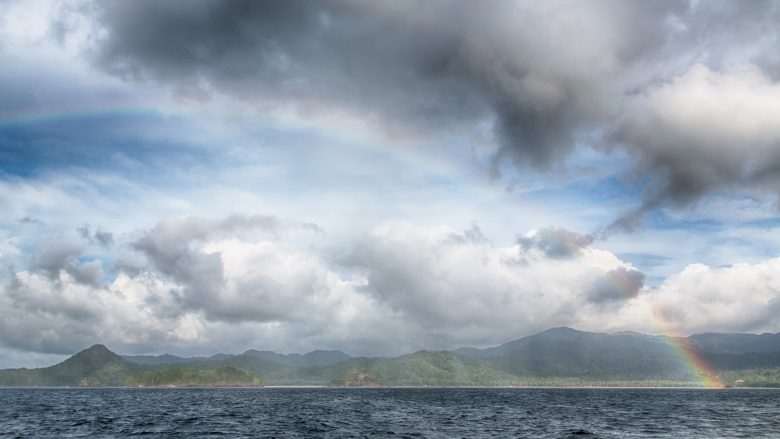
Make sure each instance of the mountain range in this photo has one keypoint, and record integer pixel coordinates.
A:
(556, 357)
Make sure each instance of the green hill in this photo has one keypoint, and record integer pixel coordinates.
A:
(95, 366)
(556, 357)
(313, 358)
(423, 368)
(753, 377)
(226, 376)
(736, 343)
(568, 353)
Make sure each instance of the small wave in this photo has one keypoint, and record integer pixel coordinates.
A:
(579, 433)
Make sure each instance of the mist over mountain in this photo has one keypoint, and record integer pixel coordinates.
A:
(736, 343)
(557, 357)
(567, 352)
(313, 358)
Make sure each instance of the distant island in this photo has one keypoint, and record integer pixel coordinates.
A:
(559, 357)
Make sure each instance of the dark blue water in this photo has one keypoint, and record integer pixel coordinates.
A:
(468, 413)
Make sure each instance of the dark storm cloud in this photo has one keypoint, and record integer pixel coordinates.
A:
(547, 76)
(701, 132)
(618, 284)
(555, 243)
(431, 65)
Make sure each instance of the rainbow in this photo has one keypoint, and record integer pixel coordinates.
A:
(353, 134)
(84, 110)
(412, 157)
(684, 349)
(697, 363)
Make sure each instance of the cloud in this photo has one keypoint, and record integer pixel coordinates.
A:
(555, 243)
(681, 95)
(616, 285)
(64, 315)
(547, 78)
(400, 288)
(30, 220)
(58, 258)
(700, 298)
(168, 237)
(99, 236)
(406, 66)
(704, 131)
(207, 283)
(202, 288)
(177, 248)
(469, 291)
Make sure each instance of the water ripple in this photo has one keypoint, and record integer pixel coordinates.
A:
(396, 413)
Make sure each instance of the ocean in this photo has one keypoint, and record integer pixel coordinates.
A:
(390, 412)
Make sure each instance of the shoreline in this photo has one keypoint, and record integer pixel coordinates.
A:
(313, 387)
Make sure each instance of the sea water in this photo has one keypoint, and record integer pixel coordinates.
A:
(390, 412)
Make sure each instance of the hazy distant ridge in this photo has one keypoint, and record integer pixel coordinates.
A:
(559, 356)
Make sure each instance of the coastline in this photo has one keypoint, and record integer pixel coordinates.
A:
(314, 387)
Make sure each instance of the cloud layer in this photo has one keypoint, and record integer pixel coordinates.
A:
(704, 131)
(650, 79)
(390, 129)
(196, 285)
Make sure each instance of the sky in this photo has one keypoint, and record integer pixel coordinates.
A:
(193, 177)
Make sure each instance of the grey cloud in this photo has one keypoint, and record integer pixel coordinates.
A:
(99, 236)
(701, 132)
(405, 64)
(168, 249)
(556, 243)
(168, 236)
(84, 232)
(56, 335)
(397, 280)
(167, 244)
(57, 257)
(89, 273)
(104, 238)
(447, 289)
(469, 236)
(52, 316)
(548, 76)
(45, 315)
(30, 220)
(171, 250)
(235, 223)
(407, 274)
(427, 287)
(619, 284)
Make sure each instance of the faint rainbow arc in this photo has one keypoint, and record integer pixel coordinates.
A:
(407, 157)
(685, 350)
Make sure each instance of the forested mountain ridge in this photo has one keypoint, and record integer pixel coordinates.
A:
(556, 357)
